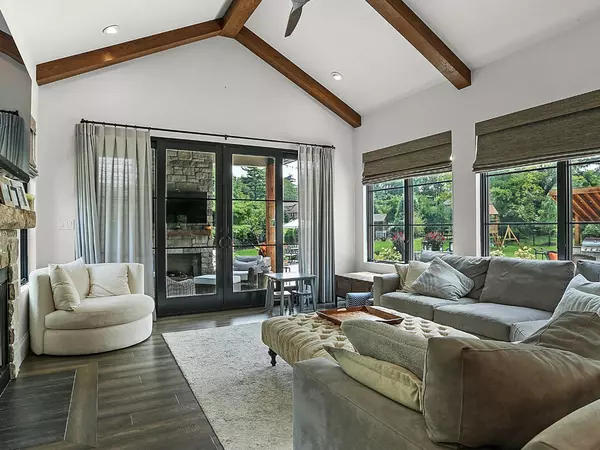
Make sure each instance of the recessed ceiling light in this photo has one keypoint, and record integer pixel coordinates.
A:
(111, 29)
(337, 76)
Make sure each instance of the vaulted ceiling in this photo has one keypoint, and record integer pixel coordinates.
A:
(348, 36)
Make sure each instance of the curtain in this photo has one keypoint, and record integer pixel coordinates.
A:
(114, 196)
(315, 216)
(12, 140)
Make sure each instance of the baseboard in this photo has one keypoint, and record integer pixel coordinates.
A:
(22, 350)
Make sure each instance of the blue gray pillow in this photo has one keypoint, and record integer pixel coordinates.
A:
(441, 280)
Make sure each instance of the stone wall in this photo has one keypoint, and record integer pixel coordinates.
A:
(11, 221)
(191, 172)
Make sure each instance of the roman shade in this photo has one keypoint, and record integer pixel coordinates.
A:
(423, 156)
(560, 130)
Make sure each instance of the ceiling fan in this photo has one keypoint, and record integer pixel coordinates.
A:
(297, 6)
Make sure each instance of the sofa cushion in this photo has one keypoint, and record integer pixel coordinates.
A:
(527, 283)
(576, 332)
(486, 393)
(385, 343)
(589, 269)
(79, 274)
(416, 304)
(487, 319)
(102, 312)
(390, 380)
(402, 271)
(441, 280)
(523, 330)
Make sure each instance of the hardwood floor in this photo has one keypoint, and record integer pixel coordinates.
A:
(128, 399)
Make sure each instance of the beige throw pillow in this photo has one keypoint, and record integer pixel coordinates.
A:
(390, 380)
(64, 292)
(80, 276)
(402, 271)
(107, 280)
(415, 269)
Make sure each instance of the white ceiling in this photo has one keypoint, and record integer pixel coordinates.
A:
(347, 36)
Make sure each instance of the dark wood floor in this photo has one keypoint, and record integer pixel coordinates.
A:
(128, 399)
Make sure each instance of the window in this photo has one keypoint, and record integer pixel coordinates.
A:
(549, 211)
(405, 217)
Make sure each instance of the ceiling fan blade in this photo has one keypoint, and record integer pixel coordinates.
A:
(293, 20)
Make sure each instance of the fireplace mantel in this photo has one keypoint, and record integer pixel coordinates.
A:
(16, 219)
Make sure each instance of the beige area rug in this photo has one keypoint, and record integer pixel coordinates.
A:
(247, 402)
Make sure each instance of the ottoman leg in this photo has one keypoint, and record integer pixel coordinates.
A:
(273, 356)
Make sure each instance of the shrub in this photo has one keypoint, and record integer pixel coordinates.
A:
(591, 231)
(499, 252)
(525, 253)
(388, 254)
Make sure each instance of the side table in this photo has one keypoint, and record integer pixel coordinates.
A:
(347, 283)
(281, 278)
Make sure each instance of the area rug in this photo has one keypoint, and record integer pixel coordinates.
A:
(247, 402)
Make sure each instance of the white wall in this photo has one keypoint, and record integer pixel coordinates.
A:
(214, 86)
(558, 68)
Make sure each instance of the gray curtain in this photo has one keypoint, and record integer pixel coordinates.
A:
(13, 143)
(114, 196)
(315, 215)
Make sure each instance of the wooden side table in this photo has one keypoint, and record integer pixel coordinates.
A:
(353, 282)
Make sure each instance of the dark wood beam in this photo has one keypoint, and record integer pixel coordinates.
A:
(71, 66)
(414, 30)
(237, 15)
(9, 48)
(291, 71)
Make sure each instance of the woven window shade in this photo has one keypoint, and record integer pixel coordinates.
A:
(557, 131)
(424, 156)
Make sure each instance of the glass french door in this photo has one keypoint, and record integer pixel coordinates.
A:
(225, 216)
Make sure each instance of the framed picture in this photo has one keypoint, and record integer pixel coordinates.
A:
(5, 192)
(19, 190)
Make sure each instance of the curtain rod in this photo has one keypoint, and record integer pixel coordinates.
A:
(16, 113)
(198, 133)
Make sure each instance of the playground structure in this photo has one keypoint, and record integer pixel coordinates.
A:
(509, 235)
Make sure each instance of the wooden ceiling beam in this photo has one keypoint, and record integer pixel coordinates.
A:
(71, 66)
(292, 72)
(415, 31)
(237, 15)
(9, 48)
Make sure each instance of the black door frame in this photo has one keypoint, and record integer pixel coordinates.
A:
(224, 298)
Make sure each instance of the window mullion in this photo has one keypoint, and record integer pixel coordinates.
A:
(408, 220)
(564, 190)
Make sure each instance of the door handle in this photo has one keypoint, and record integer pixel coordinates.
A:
(220, 242)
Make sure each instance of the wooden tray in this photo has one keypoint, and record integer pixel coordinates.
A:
(339, 315)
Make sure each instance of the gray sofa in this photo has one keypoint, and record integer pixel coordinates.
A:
(511, 300)
(334, 412)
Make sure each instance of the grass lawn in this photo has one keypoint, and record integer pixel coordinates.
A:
(246, 252)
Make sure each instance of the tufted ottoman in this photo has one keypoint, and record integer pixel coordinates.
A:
(304, 336)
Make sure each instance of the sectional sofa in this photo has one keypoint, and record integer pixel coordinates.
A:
(511, 300)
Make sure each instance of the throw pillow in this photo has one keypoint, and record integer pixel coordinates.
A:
(107, 280)
(580, 295)
(387, 343)
(474, 267)
(64, 292)
(480, 393)
(390, 380)
(402, 271)
(415, 269)
(79, 274)
(576, 332)
(441, 280)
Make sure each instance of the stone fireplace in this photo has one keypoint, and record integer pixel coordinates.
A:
(12, 220)
(190, 186)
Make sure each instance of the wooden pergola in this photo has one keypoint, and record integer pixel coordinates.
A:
(586, 207)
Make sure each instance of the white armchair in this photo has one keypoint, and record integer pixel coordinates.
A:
(97, 325)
